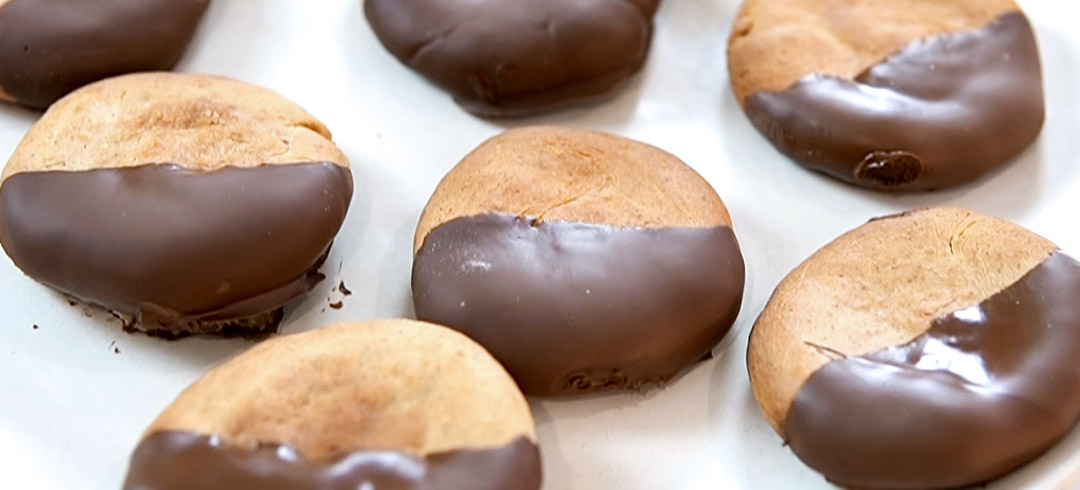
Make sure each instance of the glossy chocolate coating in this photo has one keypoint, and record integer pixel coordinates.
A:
(984, 390)
(171, 245)
(505, 58)
(186, 461)
(576, 307)
(942, 112)
(51, 47)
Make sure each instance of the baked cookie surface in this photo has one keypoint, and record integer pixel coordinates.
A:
(890, 95)
(188, 204)
(385, 404)
(583, 261)
(50, 47)
(933, 349)
(507, 58)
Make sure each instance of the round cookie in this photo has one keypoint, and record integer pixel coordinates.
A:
(583, 261)
(932, 349)
(393, 404)
(508, 58)
(889, 95)
(51, 47)
(187, 204)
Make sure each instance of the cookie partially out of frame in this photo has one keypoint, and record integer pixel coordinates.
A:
(583, 261)
(890, 95)
(50, 47)
(392, 404)
(187, 204)
(933, 349)
(509, 58)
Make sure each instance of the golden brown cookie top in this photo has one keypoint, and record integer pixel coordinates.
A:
(393, 384)
(881, 285)
(552, 173)
(774, 43)
(195, 121)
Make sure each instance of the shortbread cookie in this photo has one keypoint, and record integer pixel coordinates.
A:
(933, 349)
(392, 404)
(504, 58)
(49, 48)
(581, 260)
(188, 204)
(890, 95)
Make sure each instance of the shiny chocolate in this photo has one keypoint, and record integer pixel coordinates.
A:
(570, 308)
(983, 391)
(186, 461)
(51, 47)
(508, 58)
(942, 112)
(172, 246)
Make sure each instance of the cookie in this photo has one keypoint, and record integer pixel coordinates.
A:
(933, 349)
(888, 95)
(509, 58)
(583, 261)
(393, 404)
(49, 48)
(186, 204)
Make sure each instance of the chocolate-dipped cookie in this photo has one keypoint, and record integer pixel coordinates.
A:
(508, 58)
(51, 47)
(933, 349)
(187, 204)
(392, 404)
(583, 261)
(886, 94)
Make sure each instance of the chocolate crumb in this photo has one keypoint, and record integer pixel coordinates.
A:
(35, 326)
(337, 305)
(344, 290)
(116, 350)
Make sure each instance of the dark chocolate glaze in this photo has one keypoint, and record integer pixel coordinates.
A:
(171, 245)
(187, 461)
(51, 47)
(507, 58)
(985, 390)
(576, 307)
(941, 112)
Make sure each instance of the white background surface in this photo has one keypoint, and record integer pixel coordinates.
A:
(72, 409)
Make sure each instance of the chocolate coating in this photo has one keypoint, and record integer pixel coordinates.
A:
(942, 112)
(576, 307)
(171, 245)
(505, 58)
(51, 47)
(986, 389)
(186, 461)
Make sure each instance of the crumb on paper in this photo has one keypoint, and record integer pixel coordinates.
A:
(344, 290)
(36, 326)
(337, 305)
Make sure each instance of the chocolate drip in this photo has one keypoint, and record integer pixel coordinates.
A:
(942, 112)
(576, 307)
(508, 58)
(186, 461)
(51, 47)
(171, 245)
(984, 390)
